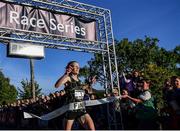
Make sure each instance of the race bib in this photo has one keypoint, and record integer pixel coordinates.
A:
(79, 94)
(79, 105)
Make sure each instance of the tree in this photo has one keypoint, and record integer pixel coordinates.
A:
(136, 54)
(26, 91)
(176, 52)
(8, 92)
(93, 69)
(157, 75)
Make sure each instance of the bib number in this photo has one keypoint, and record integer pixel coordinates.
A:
(79, 105)
(79, 94)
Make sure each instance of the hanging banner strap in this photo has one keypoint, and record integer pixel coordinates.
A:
(70, 107)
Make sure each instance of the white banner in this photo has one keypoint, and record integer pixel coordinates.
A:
(71, 106)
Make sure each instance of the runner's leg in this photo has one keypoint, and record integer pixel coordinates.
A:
(69, 124)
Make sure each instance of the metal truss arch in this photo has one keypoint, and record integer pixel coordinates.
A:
(105, 40)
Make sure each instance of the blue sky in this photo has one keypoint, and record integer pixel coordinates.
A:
(131, 19)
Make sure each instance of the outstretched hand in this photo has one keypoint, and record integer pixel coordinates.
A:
(68, 70)
(124, 96)
(92, 80)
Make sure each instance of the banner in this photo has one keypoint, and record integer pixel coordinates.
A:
(39, 20)
(71, 106)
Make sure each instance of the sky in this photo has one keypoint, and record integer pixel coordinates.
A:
(131, 19)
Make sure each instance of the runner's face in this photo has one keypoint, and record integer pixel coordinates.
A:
(75, 68)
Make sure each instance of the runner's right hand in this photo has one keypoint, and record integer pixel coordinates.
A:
(68, 70)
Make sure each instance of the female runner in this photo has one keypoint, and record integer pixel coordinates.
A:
(74, 93)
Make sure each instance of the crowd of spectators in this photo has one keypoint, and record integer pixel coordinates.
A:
(137, 103)
(11, 114)
(135, 109)
(139, 107)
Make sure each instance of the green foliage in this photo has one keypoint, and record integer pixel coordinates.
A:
(8, 92)
(26, 91)
(157, 75)
(136, 54)
(100, 94)
(93, 69)
(85, 72)
(177, 55)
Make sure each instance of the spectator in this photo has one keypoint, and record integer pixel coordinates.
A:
(175, 103)
(136, 78)
(167, 111)
(129, 82)
(145, 109)
(127, 107)
(93, 96)
(167, 92)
